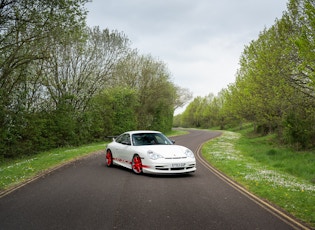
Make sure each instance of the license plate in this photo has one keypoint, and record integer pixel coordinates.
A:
(178, 165)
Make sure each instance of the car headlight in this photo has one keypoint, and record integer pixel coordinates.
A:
(189, 153)
(153, 155)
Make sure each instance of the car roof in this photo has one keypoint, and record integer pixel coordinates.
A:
(142, 131)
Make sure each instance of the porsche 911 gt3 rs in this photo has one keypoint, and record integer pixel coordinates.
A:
(149, 152)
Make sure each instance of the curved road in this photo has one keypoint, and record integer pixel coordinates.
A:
(87, 195)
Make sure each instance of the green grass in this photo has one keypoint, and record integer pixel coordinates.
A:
(176, 132)
(13, 172)
(279, 175)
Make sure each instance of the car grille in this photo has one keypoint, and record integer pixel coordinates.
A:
(175, 158)
(163, 168)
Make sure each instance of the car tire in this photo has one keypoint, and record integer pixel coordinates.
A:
(136, 164)
(109, 158)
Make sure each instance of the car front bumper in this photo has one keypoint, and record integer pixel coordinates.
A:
(170, 167)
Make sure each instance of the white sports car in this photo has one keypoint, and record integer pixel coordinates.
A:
(149, 152)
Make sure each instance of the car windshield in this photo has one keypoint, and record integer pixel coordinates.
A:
(150, 139)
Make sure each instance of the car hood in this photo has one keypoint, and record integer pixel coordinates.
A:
(167, 151)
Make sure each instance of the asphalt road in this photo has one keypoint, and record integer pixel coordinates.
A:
(88, 195)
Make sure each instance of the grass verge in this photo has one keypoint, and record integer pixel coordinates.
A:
(281, 176)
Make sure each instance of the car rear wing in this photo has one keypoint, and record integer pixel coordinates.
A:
(111, 137)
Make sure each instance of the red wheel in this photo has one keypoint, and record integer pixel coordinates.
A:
(109, 158)
(136, 164)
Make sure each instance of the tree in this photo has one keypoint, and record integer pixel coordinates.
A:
(183, 96)
(190, 117)
(80, 69)
(27, 30)
(273, 84)
(303, 16)
(114, 110)
(156, 93)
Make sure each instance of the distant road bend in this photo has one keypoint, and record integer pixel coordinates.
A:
(88, 195)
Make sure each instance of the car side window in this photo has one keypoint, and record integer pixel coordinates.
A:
(160, 140)
(124, 139)
(119, 139)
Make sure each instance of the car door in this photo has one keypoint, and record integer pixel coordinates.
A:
(123, 150)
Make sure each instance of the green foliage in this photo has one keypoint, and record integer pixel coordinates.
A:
(157, 95)
(63, 84)
(191, 118)
(305, 42)
(28, 30)
(274, 87)
(298, 130)
(203, 112)
(115, 111)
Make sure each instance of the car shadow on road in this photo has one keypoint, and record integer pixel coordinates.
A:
(171, 175)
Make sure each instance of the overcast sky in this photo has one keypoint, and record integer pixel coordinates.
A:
(200, 41)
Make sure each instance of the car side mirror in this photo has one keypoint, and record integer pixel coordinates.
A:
(173, 141)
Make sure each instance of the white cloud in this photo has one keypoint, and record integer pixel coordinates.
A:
(200, 41)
